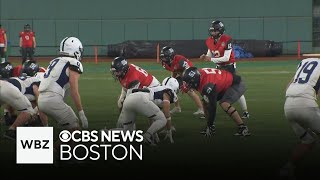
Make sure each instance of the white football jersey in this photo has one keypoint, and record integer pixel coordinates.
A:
(306, 80)
(56, 77)
(156, 95)
(25, 85)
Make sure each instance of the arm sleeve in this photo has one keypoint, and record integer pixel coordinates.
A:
(123, 94)
(224, 58)
(209, 53)
(210, 96)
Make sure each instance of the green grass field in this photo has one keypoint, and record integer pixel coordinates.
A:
(262, 153)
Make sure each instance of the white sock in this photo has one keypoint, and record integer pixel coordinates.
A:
(243, 103)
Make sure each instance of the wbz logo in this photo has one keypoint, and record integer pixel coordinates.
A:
(34, 145)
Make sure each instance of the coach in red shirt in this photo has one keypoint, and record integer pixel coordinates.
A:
(27, 43)
(3, 44)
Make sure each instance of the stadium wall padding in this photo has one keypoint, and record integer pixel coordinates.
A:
(189, 48)
(100, 22)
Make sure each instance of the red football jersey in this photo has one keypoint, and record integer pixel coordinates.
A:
(221, 78)
(27, 38)
(136, 73)
(2, 33)
(17, 71)
(224, 43)
(177, 66)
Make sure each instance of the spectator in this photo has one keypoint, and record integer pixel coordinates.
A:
(3, 44)
(27, 43)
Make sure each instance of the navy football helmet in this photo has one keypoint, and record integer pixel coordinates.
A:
(167, 54)
(119, 67)
(216, 26)
(30, 67)
(6, 70)
(191, 78)
(27, 27)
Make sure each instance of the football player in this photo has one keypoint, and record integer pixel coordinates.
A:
(62, 73)
(176, 64)
(221, 53)
(17, 70)
(130, 76)
(148, 101)
(302, 111)
(217, 86)
(28, 85)
(12, 94)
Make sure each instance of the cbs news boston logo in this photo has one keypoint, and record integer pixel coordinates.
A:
(35, 145)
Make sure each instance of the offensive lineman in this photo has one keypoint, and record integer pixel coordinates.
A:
(12, 96)
(148, 101)
(176, 64)
(130, 76)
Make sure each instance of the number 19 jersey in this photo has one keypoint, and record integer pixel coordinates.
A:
(306, 80)
(56, 77)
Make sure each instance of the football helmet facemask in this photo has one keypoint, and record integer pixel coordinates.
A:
(119, 67)
(191, 78)
(216, 26)
(6, 70)
(30, 67)
(167, 54)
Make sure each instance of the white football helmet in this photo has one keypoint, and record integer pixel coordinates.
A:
(171, 83)
(71, 46)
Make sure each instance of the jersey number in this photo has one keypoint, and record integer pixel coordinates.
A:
(51, 66)
(140, 70)
(305, 72)
(211, 71)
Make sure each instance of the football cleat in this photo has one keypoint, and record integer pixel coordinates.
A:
(169, 136)
(287, 172)
(164, 131)
(155, 138)
(209, 131)
(199, 112)
(175, 110)
(10, 134)
(243, 131)
(245, 115)
(147, 140)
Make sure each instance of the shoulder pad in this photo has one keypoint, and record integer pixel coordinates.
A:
(76, 65)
